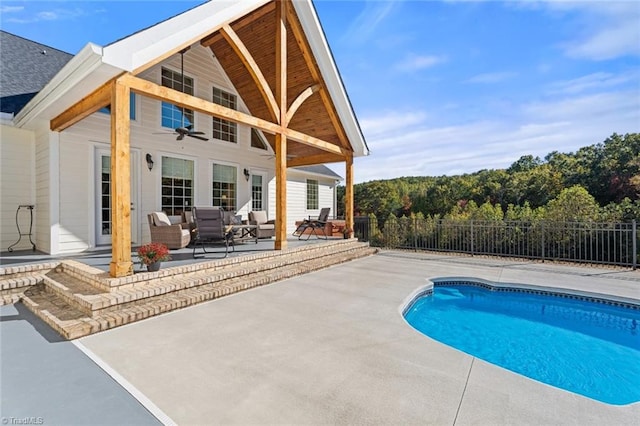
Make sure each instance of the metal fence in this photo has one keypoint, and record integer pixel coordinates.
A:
(588, 242)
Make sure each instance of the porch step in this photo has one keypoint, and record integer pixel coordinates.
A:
(15, 280)
(75, 307)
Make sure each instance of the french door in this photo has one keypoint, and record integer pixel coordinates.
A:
(103, 197)
(258, 191)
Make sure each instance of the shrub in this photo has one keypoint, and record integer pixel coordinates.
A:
(153, 252)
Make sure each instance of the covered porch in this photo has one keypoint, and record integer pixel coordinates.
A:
(275, 56)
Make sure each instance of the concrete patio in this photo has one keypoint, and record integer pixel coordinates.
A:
(330, 347)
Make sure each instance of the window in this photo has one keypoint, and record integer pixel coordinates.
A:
(132, 107)
(257, 140)
(223, 129)
(312, 194)
(174, 116)
(256, 192)
(224, 187)
(177, 185)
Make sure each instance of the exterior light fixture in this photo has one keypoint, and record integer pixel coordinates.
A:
(149, 161)
(246, 174)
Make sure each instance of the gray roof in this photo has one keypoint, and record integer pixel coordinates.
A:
(320, 170)
(26, 67)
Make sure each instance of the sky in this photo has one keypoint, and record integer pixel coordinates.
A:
(438, 87)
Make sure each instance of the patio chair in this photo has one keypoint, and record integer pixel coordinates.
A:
(265, 228)
(210, 228)
(174, 236)
(313, 225)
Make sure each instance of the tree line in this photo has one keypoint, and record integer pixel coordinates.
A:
(599, 182)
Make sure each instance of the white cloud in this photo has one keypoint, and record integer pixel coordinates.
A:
(391, 123)
(418, 62)
(491, 78)
(598, 81)
(366, 23)
(49, 15)
(11, 9)
(608, 29)
(623, 39)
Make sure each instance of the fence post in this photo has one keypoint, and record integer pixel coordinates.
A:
(542, 231)
(472, 239)
(415, 233)
(634, 234)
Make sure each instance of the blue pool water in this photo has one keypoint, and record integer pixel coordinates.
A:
(580, 346)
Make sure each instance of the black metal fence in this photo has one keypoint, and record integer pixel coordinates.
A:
(588, 242)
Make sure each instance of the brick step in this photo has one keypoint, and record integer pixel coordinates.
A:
(12, 295)
(15, 280)
(52, 309)
(85, 297)
(72, 323)
(23, 276)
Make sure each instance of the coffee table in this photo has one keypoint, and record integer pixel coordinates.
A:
(245, 233)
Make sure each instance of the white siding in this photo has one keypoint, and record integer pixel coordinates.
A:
(297, 197)
(17, 148)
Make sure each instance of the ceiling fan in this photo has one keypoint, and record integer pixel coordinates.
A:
(183, 130)
(272, 156)
(188, 131)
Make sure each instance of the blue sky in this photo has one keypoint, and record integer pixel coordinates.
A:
(439, 87)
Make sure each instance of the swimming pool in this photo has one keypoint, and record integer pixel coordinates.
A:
(586, 345)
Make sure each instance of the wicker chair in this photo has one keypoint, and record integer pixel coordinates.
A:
(163, 231)
(265, 228)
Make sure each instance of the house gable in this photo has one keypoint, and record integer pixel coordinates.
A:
(316, 100)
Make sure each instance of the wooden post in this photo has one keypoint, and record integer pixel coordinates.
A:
(121, 264)
(281, 138)
(281, 192)
(348, 194)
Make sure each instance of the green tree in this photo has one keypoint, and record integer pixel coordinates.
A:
(573, 204)
(524, 164)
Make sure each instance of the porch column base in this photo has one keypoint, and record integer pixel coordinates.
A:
(120, 269)
(280, 245)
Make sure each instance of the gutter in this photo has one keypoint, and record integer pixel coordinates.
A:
(6, 118)
(73, 73)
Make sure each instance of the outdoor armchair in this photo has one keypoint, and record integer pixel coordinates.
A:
(210, 228)
(174, 236)
(265, 228)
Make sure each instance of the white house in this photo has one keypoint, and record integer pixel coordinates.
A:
(216, 106)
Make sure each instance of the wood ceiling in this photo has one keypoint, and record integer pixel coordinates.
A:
(316, 115)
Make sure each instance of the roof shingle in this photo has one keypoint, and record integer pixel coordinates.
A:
(25, 68)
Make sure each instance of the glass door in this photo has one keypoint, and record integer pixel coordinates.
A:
(103, 197)
(258, 199)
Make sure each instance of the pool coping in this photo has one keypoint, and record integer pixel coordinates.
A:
(566, 293)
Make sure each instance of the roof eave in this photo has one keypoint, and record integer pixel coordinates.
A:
(334, 176)
(75, 71)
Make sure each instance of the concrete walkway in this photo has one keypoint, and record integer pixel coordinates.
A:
(331, 347)
(46, 380)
